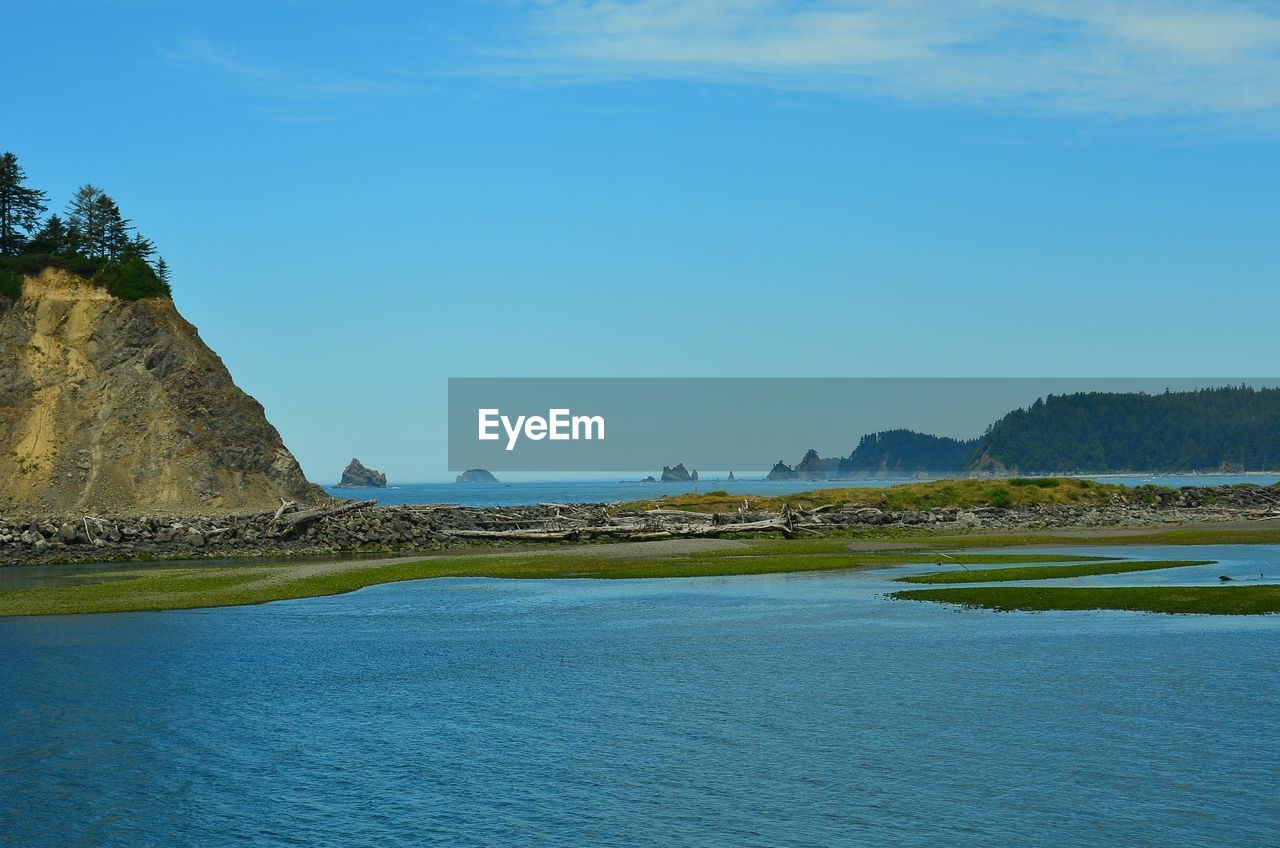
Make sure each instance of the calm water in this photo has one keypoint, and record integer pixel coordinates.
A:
(793, 710)
(604, 491)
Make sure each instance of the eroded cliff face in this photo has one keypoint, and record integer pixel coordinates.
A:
(114, 406)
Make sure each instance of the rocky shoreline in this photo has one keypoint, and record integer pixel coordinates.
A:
(362, 526)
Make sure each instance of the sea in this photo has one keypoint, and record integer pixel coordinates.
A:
(608, 491)
(771, 710)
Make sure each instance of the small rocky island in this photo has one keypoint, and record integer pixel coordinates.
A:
(782, 471)
(356, 476)
(476, 475)
(811, 467)
(679, 474)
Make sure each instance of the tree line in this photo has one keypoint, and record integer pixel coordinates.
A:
(1232, 428)
(91, 238)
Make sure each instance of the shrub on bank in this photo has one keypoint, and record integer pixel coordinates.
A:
(10, 284)
(131, 278)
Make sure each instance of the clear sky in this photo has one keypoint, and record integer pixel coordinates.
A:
(359, 200)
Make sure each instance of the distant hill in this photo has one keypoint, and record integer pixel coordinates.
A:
(907, 451)
(1222, 429)
(1235, 428)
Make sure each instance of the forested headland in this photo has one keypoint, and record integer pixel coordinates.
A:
(1232, 428)
(91, 238)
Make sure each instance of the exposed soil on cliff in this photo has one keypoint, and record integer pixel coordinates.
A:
(118, 406)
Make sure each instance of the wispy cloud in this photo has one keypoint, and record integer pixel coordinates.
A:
(1142, 57)
(278, 80)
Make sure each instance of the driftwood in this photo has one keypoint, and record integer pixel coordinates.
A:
(299, 519)
(681, 513)
(632, 532)
(517, 535)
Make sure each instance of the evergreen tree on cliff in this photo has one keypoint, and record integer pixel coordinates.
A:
(20, 206)
(93, 219)
(51, 238)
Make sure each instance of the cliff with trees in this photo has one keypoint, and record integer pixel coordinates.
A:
(92, 239)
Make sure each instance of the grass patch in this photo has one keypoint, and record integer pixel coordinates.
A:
(185, 586)
(1204, 600)
(1019, 492)
(145, 589)
(925, 539)
(1050, 572)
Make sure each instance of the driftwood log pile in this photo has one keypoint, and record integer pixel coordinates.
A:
(363, 526)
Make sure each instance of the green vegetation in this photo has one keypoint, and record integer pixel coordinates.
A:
(189, 586)
(933, 494)
(1052, 572)
(94, 241)
(1218, 429)
(1198, 535)
(1207, 600)
(10, 284)
(907, 450)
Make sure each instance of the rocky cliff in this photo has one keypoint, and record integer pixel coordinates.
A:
(115, 406)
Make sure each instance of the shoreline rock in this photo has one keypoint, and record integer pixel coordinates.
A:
(353, 527)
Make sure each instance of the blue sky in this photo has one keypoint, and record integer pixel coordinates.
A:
(359, 201)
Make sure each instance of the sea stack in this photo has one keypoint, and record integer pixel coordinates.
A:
(811, 467)
(679, 474)
(476, 475)
(117, 406)
(782, 471)
(356, 476)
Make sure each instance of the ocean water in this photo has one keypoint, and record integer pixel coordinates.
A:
(605, 491)
(777, 710)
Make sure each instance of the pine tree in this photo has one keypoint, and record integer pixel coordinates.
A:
(96, 226)
(141, 247)
(116, 236)
(53, 237)
(162, 271)
(84, 221)
(20, 206)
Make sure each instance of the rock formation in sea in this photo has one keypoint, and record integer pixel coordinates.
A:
(811, 467)
(730, 477)
(476, 475)
(357, 476)
(782, 471)
(679, 474)
(113, 405)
